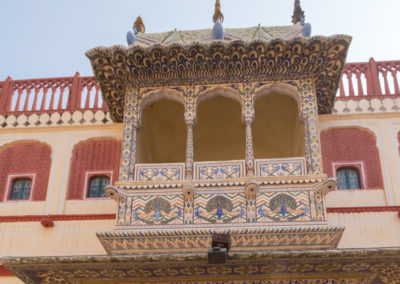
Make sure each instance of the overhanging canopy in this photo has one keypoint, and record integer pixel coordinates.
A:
(321, 58)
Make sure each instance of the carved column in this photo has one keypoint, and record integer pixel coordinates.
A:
(248, 118)
(311, 128)
(189, 150)
(249, 147)
(128, 156)
(190, 119)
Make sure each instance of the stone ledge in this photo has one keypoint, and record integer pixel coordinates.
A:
(245, 239)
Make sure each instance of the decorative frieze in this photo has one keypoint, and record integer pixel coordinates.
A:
(55, 119)
(220, 206)
(264, 265)
(370, 104)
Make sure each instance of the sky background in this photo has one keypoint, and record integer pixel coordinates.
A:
(49, 38)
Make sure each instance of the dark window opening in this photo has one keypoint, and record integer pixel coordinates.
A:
(21, 189)
(97, 186)
(348, 178)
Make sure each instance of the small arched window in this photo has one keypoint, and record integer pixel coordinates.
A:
(21, 189)
(97, 186)
(348, 178)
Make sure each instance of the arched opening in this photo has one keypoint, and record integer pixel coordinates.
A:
(219, 133)
(278, 131)
(162, 135)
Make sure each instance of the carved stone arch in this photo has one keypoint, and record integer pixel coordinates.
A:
(216, 91)
(152, 96)
(281, 89)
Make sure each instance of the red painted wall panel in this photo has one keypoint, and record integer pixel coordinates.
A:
(101, 154)
(343, 145)
(26, 157)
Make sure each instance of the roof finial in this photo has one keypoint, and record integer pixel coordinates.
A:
(217, 12)
(298, 13)
(139, 25)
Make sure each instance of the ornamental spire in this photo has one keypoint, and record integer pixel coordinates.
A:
(139, 25)
(298, 13)
(217, 12)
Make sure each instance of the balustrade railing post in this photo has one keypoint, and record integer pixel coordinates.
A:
(374, 77)
(6, 95)
(75, 95)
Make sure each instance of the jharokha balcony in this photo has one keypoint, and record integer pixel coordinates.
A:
(182, 160)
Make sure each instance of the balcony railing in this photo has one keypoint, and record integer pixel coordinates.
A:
(368, 80)
(220, 170)
(50, 95)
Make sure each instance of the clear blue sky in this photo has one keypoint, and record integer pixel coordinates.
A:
(48, 38)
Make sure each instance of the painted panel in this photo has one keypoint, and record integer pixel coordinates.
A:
(218, 170)
(280, 167)
(219, 208)
(159, 172)
(283, 206)
(157, 210)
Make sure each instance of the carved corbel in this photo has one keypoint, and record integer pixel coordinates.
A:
(113, 193)
(326, 186)
(251, 189)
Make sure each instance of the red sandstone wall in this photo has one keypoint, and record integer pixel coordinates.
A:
(344, 145)
(26, 157)
(92, 155)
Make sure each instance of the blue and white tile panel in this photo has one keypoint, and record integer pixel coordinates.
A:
(219, 170)
(159, 172)
(280, 167)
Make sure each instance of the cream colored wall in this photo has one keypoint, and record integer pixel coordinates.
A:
(10, 280)
(66, 237)
(367, 230)
(78, 237)
(62, 141)
(384, 127)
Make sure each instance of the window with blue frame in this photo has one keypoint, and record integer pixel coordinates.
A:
(348, 178)
(21, 189)
(97, 186)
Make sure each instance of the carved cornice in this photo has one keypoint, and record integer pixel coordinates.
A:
(321, 58)
(311, 266)
(305, 180)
